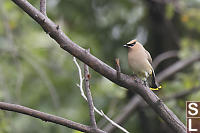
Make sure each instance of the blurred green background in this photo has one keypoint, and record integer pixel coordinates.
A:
(35, 72)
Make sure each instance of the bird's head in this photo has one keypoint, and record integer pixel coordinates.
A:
(130, 44)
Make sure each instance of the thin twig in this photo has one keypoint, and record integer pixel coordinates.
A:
(81, 79)
(47, 117)
(89, 95)
(96, 110)
(114, 123)
(118, 69)
(81, 84)
(124, 113)
(43, 7)
(111, 111)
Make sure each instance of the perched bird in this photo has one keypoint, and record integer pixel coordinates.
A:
(140, 62)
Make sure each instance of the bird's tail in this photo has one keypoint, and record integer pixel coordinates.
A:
(153, 83)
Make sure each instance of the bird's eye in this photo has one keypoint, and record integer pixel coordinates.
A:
(134, 43)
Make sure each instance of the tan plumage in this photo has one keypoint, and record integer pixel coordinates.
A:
(140, 62)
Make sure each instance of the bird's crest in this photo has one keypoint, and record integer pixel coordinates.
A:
(132, 41)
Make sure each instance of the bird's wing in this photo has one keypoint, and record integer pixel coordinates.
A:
(148, 57)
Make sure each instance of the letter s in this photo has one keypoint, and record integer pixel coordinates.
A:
(193, 108)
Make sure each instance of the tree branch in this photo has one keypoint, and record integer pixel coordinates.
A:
(99, 112)
(181, 94)
(43, 7)
(89, 96)
(136, 100)
(125, 81)
(48, 118)
(124, 113)
(164, 56)
(179, 65)
(118, 68)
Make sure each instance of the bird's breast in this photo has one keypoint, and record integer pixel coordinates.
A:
(138, 62)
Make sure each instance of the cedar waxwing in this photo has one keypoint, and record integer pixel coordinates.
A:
(140, 61)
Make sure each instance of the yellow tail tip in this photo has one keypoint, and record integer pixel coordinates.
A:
(156, 89)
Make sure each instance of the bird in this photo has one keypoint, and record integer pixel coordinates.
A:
(140, 62)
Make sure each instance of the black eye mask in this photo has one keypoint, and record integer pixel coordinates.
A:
(131, 45)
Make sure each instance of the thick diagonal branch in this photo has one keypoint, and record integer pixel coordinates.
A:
(125, 81)
(136, 100)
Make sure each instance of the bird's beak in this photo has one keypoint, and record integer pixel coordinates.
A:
(125, 45)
